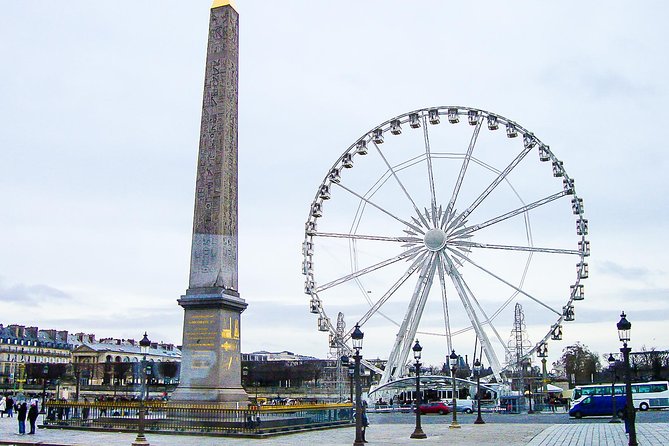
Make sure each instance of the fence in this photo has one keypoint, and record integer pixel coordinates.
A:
(205, 419)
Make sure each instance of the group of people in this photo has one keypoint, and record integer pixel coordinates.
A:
(556, 401)
(8, 406)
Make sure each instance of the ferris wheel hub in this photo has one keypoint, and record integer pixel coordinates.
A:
(435, 239)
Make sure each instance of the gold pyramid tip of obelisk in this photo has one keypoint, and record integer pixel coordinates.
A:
(219, 3)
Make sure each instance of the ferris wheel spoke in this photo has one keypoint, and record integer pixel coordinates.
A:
(417, 263)
(367, 237)
(430, 173)
(514, 248)
(406, 254)
(444, 302)
(401, 185)
(407, 331)
(471, 262)
(371, 203)
(510, 214)
(461, 289)
(502, 175)
(461, 175)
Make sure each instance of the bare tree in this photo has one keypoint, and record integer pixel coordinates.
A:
(579, 363)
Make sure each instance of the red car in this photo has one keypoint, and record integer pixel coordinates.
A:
(435, 407)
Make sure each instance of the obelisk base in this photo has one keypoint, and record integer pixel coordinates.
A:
(236, 397)
(210, 355)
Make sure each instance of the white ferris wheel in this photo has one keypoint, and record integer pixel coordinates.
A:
(432, 225)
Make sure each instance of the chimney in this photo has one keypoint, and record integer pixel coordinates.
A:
(49, 334)
(61, 336)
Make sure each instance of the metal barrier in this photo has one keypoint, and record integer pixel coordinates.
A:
(205, 419)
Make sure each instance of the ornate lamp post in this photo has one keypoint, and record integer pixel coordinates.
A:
(529, 388)
(612, 368)
(356, 338)
(144, 345)
(477, 373)
(453, 360)
(351, 373)
(418, 431)
(624, 328)
(45, 374)
(346, 364)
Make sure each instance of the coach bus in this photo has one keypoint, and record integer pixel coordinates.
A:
(650, 395)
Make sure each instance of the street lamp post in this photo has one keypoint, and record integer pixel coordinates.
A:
(529, 394)
(348, 365)
(624, 328)
(144, 345)
(612, 368)
(356, 338)
(351, 373)
(45, 373)
(341, 376)
(477, 373)
(453, 360)
(418, 431)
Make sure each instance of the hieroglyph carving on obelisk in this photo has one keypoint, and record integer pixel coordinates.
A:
(211, 362)
(214, 248)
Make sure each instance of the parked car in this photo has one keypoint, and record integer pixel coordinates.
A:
(435, 407)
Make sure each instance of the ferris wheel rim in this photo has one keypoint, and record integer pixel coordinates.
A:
(529, 138)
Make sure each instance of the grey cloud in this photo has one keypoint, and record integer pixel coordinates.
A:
(31, 294)
(624, 272)
(610, 84)
(595, 81)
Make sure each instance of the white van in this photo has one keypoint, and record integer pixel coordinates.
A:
(466, 406)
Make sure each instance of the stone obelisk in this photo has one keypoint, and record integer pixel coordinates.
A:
(211, 358)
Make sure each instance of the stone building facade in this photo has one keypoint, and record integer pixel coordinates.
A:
(21, 345)
(116, 361)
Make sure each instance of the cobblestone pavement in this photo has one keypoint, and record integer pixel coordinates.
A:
(601, 435)
(388, 434)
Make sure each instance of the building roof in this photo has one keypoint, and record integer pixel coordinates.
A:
(102, 347)
(281, 356)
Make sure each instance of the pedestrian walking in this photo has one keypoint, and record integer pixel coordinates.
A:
(32, 417)
(3, 406)
(365, 421)
(10, 406)
(21, 412)
(626, 419)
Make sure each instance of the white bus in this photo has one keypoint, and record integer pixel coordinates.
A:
(650, 395)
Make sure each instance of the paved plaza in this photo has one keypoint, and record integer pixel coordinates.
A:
(604, 434)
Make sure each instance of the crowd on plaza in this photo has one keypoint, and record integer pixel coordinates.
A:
(25, 410)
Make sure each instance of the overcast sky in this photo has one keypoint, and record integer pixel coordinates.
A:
(100, 108)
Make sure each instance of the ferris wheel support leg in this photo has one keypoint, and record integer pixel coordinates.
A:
(444, 300)
(478, 328)
(409, 325)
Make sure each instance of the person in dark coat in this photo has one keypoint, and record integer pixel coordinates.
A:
(32, 417)
(21, 411)
(10, 406)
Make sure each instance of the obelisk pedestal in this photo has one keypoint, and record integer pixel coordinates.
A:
(211, 358)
